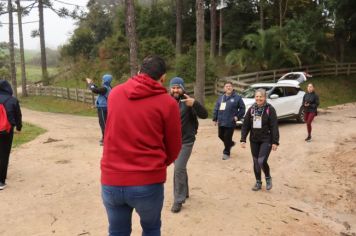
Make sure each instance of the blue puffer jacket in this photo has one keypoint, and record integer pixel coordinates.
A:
(102, 100)
(234, 107)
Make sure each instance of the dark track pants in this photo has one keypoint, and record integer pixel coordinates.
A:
(225, 134)
(102, 114)
(260, 153)
(5, 149)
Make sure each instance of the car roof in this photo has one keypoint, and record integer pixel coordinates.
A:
(286, 83)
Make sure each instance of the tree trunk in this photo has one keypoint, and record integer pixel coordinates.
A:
(199, 89)
(261, 14)
(12, 49)
(213, 29)
(22, 53)
(131, 35)
(179, 8)
(45, 78)
(220, 32)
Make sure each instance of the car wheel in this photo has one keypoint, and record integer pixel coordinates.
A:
(300, 117)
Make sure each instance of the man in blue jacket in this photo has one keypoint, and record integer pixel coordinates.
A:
(229, 108)
(101, 102)
(14, 117)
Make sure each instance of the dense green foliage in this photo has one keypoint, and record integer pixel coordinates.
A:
(290, 33)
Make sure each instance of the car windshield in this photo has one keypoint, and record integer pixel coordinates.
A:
(250, 91)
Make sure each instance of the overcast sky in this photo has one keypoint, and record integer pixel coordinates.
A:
(57, 30)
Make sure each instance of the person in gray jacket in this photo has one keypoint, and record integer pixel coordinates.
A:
(190, 109)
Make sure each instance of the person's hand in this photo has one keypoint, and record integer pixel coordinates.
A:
(17, 131)
(189, 101)
(235, 118)
(243, 145)
(274, 147)
(89, 81)
(306, 104)
(215, 123)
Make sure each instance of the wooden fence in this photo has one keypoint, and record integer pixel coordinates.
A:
(86, 96)
(241, 81)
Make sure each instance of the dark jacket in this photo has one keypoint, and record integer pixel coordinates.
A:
(234, 107)
(189, 120)
(142, 134)
(11, 105)
(313, 101)
(269, 131)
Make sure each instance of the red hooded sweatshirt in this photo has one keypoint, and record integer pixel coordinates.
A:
(142, 134)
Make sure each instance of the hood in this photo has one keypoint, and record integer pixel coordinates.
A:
(107, 79)
(142, 86)
(5, 87)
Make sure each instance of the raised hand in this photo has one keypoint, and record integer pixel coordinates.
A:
(189, 101)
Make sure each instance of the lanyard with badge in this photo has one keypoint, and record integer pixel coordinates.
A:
(222, 104)
(257, 119)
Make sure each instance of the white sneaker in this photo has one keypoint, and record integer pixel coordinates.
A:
(2, 186)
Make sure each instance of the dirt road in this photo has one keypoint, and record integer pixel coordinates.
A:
(53, 183)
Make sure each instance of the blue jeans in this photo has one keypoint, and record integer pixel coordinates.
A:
(120, 201)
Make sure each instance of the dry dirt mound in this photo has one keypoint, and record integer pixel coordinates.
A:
(54, 189)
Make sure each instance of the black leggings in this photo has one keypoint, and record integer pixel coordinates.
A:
(260, 153)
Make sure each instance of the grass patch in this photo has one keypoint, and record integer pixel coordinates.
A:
(28, 133)
(34, 73)
(334, 90)
(57, 105)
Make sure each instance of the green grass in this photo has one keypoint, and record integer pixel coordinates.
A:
(34, 73)
(28, 133)
(57, 105)
(334, 90)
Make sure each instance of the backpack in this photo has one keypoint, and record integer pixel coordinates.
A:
(5, 125)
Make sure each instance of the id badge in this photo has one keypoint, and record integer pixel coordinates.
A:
(222, 106)
(257, 122)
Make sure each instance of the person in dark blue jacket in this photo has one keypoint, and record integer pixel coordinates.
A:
(101, 102)
(229, 108)
(14, 116)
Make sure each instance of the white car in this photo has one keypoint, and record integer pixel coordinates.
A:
(285, 96)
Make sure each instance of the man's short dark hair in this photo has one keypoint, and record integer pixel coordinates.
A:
(154, 66)
(228, 82)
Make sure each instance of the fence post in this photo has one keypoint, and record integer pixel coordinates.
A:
(336, 70)
(257, 76)
(68, 94)
(348, 68)
(92, 99)
(274, 76)
(76, 94)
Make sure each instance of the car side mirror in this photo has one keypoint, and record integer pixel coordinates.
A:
(274, 96)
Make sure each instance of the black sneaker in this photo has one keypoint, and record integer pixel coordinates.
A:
(2, 186)
(269, 183)
(258, 186)
(176, 207)
(308, 139)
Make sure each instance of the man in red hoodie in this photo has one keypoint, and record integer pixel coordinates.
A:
(142, 138)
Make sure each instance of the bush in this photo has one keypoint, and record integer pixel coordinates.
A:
(159, 46)
(186, 66)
